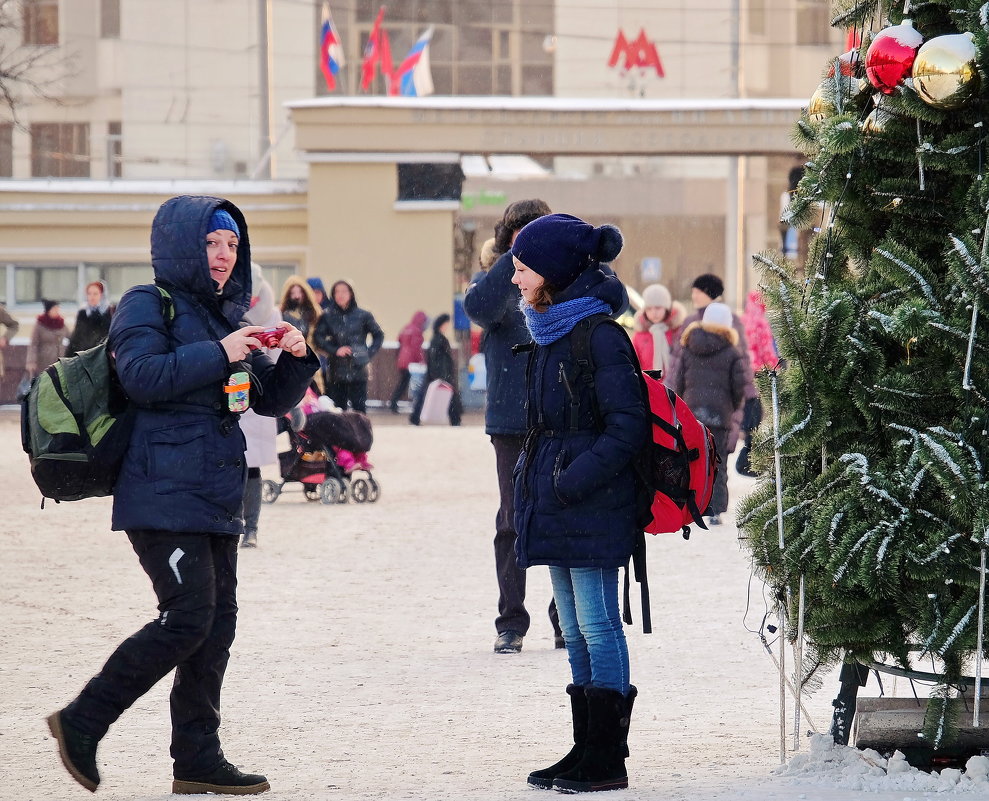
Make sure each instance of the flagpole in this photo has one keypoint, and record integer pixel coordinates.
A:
(264, 95)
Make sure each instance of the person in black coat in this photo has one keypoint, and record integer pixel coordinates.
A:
(492, 302)
(577, 501)
(441, 365)
(711, 377)
(92, 322)
(181, 485)
(342, 332)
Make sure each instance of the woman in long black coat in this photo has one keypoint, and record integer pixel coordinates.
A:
(440, 364)
(92, 322)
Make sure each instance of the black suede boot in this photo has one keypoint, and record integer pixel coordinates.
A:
(227, 779)
(578, 705)
(603, 764)
(77, 750)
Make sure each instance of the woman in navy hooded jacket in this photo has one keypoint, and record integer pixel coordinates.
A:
(575, 486)
(181, 485)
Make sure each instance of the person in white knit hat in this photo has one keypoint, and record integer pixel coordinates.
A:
(652, 331)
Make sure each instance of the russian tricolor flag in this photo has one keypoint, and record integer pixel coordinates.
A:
(413, 77)
(330, 52)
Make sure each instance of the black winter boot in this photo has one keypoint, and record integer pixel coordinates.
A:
(77, 750)
(225, 780)
(578, 705)
(603, 764)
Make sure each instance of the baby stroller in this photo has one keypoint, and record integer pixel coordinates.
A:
(328, 456)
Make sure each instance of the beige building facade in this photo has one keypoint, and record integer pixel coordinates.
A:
(190, 96)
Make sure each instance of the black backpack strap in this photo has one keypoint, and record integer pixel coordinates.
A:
(639, 568)
(580, 351)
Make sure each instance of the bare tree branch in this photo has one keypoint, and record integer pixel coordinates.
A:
(26, 69)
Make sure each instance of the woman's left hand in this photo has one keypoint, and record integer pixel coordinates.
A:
(292, 340)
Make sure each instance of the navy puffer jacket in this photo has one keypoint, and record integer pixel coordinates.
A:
(185, 469)
(575, 491)
(492, 302)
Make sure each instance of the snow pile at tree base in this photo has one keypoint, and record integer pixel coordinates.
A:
(851, 769)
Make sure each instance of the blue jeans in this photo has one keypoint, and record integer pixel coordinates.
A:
(587, 600)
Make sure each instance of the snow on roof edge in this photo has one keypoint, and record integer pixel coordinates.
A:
(531, 102)
(185, 186)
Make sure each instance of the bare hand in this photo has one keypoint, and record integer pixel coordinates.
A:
(292, 340)
(3, 342)
(241, 342)
(344, 351)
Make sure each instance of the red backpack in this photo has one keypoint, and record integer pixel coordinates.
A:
(676, 468)
(679, 464)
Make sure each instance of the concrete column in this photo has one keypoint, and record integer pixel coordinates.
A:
(399, 257)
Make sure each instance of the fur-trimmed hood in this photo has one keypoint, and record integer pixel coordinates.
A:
(308, 294)
(705, 343)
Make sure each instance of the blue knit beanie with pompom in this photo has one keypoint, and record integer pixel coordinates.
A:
(559, 247)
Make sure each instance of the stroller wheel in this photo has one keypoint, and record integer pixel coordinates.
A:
(360, 491)
(269, 491)
(312, 491)
(375, 490)
(344, 484)
(330, 491)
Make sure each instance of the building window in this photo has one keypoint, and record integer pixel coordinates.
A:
(479, 47)
(6, 150)
(813, 22)
(60, 150)
(110, 19)
(46, 282)
(757, 17)
(40, 22)
(114, 150)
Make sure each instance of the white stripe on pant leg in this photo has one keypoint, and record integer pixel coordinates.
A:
(173, 562)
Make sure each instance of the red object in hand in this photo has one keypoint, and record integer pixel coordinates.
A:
(270, 337)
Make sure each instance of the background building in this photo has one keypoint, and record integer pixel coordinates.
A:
(146, 99)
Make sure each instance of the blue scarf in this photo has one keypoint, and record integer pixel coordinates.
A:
(560, 318)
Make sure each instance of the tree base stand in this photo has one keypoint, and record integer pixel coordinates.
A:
(893, 724)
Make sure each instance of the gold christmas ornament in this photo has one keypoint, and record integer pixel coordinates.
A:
(819, 108)
(875, 122)
(944, 72)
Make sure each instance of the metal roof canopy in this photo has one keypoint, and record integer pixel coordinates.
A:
(544, 126)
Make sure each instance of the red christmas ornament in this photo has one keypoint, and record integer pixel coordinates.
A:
(890, 56)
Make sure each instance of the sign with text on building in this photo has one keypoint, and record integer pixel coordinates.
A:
(639, 54)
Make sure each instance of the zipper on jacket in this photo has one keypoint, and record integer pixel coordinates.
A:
(557, 470)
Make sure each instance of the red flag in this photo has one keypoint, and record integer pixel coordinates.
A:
(387, 68)
(372, 52)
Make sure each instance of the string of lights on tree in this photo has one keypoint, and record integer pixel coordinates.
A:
(875, 495)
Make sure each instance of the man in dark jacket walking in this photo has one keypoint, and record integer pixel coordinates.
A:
(342, 332)
(181, 485)
(492, 302)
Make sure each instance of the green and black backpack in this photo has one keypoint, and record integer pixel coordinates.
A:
(76, 423)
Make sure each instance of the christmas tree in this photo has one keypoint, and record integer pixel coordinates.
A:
(883, 433)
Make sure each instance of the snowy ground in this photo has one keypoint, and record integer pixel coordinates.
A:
(363, 666)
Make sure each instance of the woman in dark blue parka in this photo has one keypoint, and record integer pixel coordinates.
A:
(575, 485)
(181, 485)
